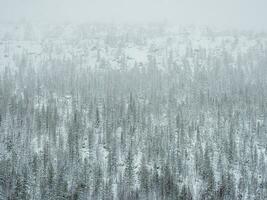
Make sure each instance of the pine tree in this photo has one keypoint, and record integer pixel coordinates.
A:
(143, 178)
(185, 194)
(128, 172)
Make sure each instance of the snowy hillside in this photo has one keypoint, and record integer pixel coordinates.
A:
(102, 111)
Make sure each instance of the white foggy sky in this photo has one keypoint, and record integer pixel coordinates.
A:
(244, 14)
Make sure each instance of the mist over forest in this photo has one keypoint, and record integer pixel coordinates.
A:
(133, 100)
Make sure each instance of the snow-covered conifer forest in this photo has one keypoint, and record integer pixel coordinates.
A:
(149, 112)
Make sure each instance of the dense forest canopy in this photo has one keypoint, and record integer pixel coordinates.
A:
(132, 112)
